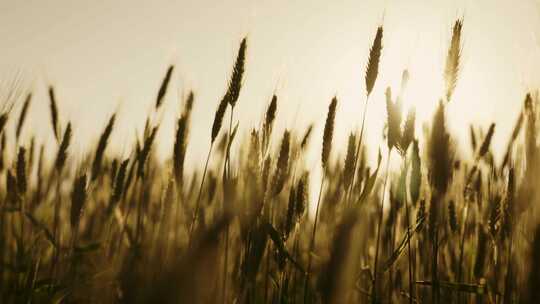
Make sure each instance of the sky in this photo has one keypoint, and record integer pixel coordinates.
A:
(107, 56)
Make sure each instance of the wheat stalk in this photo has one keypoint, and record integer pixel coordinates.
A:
(63, 150)
(230, 97)
(54, 113)
(372, 71)
(393, 110)
(78, 198)
(326, 148)
(374, 58)
(164, 85)
(181, 140)
(22, 116)
(22, 183)
(440, 165)
(487, 141)
(306, 137)
(328, 133)
(348, 171)
(145, 152)
(282, 166)
(452, 60)
(235, 84)
(100, 150)
(268, 124)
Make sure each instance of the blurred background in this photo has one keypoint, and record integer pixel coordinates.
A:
(107, 56)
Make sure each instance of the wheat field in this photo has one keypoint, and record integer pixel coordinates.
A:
(442, 227)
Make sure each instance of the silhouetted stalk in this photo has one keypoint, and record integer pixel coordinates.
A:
(269, 246)
(227, 171)
(411, 281)
(139, 227)
(312, 242)
(461, 250)
(407, 221)
(74, 241)
(358, 147)
(56, 223)
(198, 202)
(392, 248)
(434, 237)
(379, 224)
(129, 208)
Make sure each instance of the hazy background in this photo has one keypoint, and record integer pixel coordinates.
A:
(104, 56)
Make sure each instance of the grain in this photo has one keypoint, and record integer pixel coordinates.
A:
(78, 198)
(22, 116)
(62, 154)
(102, 145)
(54, 113)
(453, 57)
(372, 69)
(328, 133)
(164, 85)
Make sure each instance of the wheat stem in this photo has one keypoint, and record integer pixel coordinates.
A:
(227, 169)
(411, 281)
(312, 241)
(379, 225)
(198, 202)
(358, 148)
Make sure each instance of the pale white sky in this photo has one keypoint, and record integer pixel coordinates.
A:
(109, 55)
